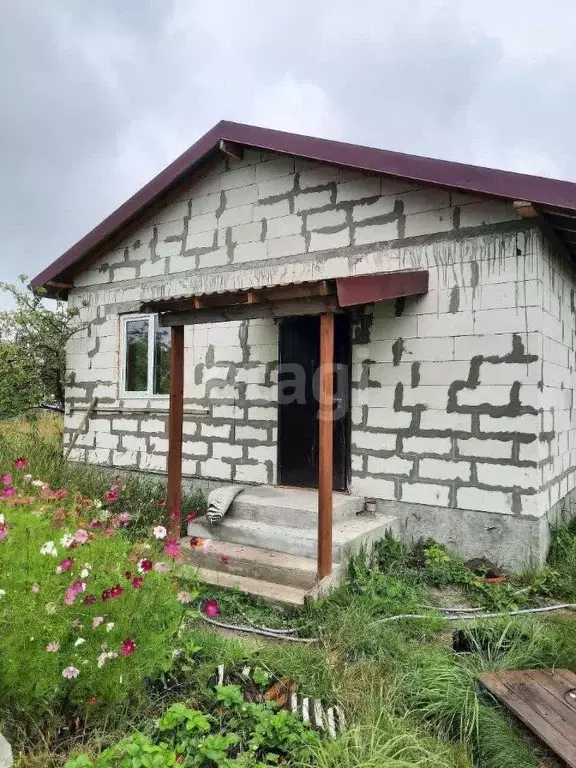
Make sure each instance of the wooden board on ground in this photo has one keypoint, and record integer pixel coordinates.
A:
(544, 700)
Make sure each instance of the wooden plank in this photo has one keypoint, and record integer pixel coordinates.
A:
(81, 426)
(231, 149)
(532, 705)
(175, 428)
(325, 446)
(365, 289)
(552, 692)
(304, 306)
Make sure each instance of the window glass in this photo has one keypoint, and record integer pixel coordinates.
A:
(136, 355)
(161, 359)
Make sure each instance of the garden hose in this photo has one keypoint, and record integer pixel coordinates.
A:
(467, 616)
(280, 634)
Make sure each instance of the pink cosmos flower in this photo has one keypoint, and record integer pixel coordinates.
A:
(106, 656)
(162, 567)
(97, 621)
(224, 559)
(145, 565)
(191, 516)
(108, 531)
(184, 597)
(106, 595)
(35, 587)
(8, 492)
(53, 647)
(124, 518)
(211, 608)
(6, 479)
(60, 494)
(65, 565)
(116, 591)
(81, 536)
(72, 592)
(128, 647)
(172, 548)
(27, 478)
(111, 496)
(3, 531)
(20, 463)
(70, 673)
(95, 524)
(137, 582)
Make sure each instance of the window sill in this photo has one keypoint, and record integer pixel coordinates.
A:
(116, 410)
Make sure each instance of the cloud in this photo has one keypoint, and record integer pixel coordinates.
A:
(99, 97)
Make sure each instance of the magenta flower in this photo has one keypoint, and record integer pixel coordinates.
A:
(106, 595)
(8, 492)
(145, 565)
(81, 536)
(70, 673)
(111, 496)
(137, 582)
(65, 565)
(128, 647)
(116, 591)
(95, 524)
(89, 600)
(124, 518)
(224, 559)
(72, 592)
(172, 548)
(61, 493)
(211, 608)
(6, 479)
(20, 463)
(3, 531)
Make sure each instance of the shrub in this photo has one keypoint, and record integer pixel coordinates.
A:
(86, 616)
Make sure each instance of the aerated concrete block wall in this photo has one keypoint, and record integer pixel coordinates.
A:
(455, 408)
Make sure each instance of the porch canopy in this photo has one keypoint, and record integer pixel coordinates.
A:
(323, 298)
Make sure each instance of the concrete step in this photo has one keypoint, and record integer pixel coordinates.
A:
(348, 535)
(291, 507)
(262, 564)
(275, 593)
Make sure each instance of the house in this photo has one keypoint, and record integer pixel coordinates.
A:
(440, 296)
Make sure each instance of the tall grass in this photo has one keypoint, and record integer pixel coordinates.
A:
(39, 440)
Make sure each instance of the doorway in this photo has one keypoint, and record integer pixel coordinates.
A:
(298, 383)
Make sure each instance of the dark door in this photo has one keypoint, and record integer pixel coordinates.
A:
(298, 389)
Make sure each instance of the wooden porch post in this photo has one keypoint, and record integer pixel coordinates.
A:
(326, 457)
(175, 428)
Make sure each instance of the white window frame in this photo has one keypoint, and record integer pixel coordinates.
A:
(148, 393)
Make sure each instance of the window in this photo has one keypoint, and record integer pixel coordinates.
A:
(145, 356)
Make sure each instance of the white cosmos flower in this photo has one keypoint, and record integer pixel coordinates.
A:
(66, 540)
(2, 593)
(49, 548)
(98, 504)
(38, 483)
(160, 532)
(1, 519)
(80, 641)
(110, 626)
(84, 573)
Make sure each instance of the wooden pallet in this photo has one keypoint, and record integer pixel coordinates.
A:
(544, 700)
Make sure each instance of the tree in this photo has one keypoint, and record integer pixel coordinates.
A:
(33, 339)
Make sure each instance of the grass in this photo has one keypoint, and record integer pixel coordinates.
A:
(410, 700)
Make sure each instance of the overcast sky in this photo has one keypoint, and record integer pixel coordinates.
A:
(97, 97)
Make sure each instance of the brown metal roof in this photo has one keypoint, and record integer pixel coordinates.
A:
(555, 201)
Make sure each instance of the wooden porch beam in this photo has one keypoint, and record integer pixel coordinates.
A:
(326, 445)
(315, 305)
(175, 429)
(232, 150)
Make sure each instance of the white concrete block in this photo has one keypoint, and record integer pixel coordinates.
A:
(393, 465)
(527, 423)
(200, 239)
(440, 348)
(263, 413)
(244, 233)
(174, 212)
(125, 425)
(459, 324)
(383, 206)
(375, 233)
(275, 187)
(492, 449)
(445, 372)
(251, 473)
(241, 177)
(272, 169)
(358, 190)
(372, 487)
(215, 258)
(271, 210)
(170, 229)
(124, 273)
(226, 451)
(150, 425)
(263, 453)
(506, 475)
(307, 201)
(321, 241)
(286, 246)
(484, 394)
(486, 212)
(206, 204)
(283, 226)
(439, 469)
(436, 419)
(158, 445)
(233, 216)
(420, 445)
(425, 493)
(318, 176)
(385, 418)
(194, 448)
(227, 412)
(248, 432)
(99, 425)
(133, 443)
(254, 251)
(125, 459)
(241, 196)
(373, 441)
(429, 222)
(491, 344)
(213, 430)
(330, 218)
(514, 320)
(216, 468)
(486, 501)
(152, 462)
(422, 200)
